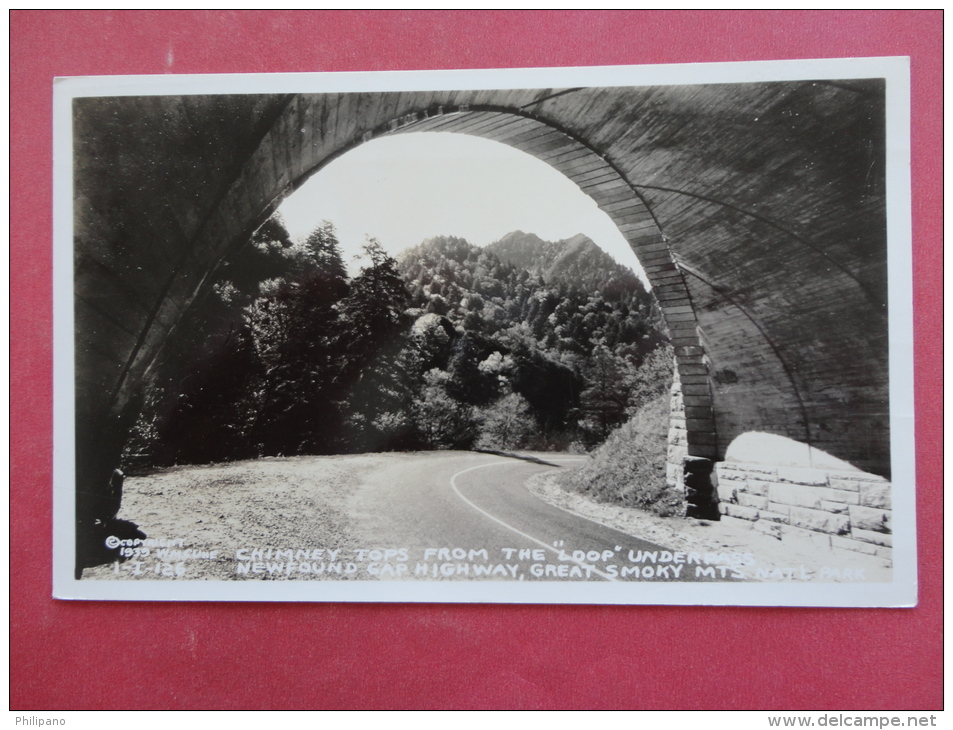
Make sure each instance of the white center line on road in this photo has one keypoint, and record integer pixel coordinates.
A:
(453, 484)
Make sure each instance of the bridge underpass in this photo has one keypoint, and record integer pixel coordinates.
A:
(757, 211)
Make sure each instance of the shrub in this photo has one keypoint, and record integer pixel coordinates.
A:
(507, 423)
(629, 468)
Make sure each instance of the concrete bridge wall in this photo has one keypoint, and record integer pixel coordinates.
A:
(758, 211)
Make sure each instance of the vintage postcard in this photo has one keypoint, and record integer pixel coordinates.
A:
(632, 335)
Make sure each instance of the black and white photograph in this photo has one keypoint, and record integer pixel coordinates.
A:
(628, 335)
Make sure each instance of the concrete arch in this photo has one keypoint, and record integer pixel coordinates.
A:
(765, 248)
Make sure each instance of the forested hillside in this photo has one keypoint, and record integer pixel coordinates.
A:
(576, 261)
(522, 344)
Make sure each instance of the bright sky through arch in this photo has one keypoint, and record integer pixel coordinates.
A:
(405, 188)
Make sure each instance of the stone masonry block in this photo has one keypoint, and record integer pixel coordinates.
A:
(835, 507)
(758, 471)
(676, 317)
(849, 485)
(802, 475)
(700, 447)
(657, 267)
(672, 472)
(797, 494)
(843, 496)
(806, 496)
(781, 509)
(813, 519)
(789, 494)
(756, 486)
(731, 474)
(702, 438)
(672, 275)
(700, 426)
(736, 510)
(769, 516)
(857, 476)
(690, 368)
(684, 338)
(752, 500)
(876, 538)
(689, 350)
(697, 389)
(869, 518)
(727, 492)
(875, 494)
(676, 453)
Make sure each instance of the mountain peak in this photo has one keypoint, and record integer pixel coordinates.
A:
(575, 260)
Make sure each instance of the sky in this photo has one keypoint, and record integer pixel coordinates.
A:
(406, 188)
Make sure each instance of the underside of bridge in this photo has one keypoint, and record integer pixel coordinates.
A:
(757, 210)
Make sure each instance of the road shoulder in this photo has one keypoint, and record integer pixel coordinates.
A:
(773, 556)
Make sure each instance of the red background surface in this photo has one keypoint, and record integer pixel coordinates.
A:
(87, 655)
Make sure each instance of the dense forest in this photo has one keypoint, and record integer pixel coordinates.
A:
(521, 344)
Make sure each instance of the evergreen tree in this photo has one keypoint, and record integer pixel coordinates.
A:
(294, 326)
(373, 336)
(603, 403)
(374, 309)
(321, 250)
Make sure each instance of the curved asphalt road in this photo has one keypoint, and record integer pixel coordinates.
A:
(434, 503)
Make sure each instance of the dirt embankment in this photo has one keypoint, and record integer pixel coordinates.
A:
(277, 502)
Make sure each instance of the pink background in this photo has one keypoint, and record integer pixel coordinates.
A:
(86, 655)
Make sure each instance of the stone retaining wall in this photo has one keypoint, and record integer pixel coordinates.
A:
(677, 435)
(685, 470)
(848, 510)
